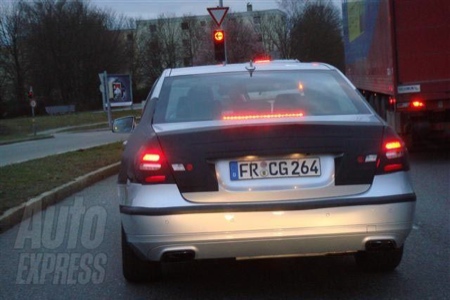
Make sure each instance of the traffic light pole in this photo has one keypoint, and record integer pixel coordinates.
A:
(225, 42)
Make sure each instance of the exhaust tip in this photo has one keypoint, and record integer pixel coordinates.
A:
(178, 256)
(380, 245)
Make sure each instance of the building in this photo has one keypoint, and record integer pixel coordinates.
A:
(171, 41)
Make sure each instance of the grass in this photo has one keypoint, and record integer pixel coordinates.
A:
(22, 128)
(22, 181)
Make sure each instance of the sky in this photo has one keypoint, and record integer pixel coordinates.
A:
(152, 9)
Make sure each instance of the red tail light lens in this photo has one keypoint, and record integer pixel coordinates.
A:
(393, 145)
(150, 161)
(155, 179)
(393, 156)
(152, 165)
(151, 157)
(394, 149)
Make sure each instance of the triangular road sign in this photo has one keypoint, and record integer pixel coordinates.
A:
(218, 14)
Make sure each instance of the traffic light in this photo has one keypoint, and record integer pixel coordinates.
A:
(30, 95)
(219, 45)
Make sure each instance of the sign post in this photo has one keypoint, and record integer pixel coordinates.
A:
(33, 104)
(105, 94)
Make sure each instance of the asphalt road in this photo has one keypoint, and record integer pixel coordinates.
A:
(78, 256)
(61, 143)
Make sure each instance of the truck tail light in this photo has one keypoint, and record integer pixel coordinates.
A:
(417, 104)
(394, 155)
(152, 165)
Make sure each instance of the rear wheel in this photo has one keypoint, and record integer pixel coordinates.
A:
(135, 269)
(379, 261)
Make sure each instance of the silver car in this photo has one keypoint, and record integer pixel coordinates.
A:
(261, 160)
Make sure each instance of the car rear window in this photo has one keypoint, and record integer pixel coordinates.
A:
(239, 95)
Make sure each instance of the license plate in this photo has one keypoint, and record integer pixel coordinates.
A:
(280, 168)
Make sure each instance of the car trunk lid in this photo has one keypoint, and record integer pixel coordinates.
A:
(203, 156)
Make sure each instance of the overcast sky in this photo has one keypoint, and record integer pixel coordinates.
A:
(151, 9)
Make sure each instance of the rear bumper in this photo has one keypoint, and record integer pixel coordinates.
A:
(249, 234)
(155, 225)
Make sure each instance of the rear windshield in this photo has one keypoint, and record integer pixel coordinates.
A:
(237, 95)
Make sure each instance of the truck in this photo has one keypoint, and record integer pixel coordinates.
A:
(397, 53)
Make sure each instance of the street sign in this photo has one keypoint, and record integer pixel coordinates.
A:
(33, 103)
(218, 14)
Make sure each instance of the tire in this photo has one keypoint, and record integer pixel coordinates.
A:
(379, 261)
(135, 269)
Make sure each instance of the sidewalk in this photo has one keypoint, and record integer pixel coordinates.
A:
(48, 134)
(60, 143)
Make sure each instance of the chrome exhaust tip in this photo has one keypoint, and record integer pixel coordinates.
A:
(381, 245)
(178, 256)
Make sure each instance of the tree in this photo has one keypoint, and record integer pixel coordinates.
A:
(69, 44)
(243, 43)
(194, 40)
(316, 34)
(158, 47)
(168, 34)
(275, 35)
(13, 60)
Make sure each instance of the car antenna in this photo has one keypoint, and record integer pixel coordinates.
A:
(251, 68)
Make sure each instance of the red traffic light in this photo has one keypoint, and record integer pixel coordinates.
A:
(219, 35)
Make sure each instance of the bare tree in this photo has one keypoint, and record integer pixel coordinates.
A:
(168, 34)
(194, 39)
(242, 41)
(292, 8)
(157, 47)
(275, 34)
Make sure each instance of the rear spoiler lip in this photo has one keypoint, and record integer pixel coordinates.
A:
(270, 206)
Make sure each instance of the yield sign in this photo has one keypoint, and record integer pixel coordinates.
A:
(218, 14)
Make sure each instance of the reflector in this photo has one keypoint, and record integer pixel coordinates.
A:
(393, 167)
(155, 179)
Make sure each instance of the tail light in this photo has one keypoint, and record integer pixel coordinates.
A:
(152, 166)
(417, 104)
(394, 155)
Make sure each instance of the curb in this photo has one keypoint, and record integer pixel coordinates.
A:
(16, 215)
(28, 139)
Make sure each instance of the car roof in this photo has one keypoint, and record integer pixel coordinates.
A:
(277, 65)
